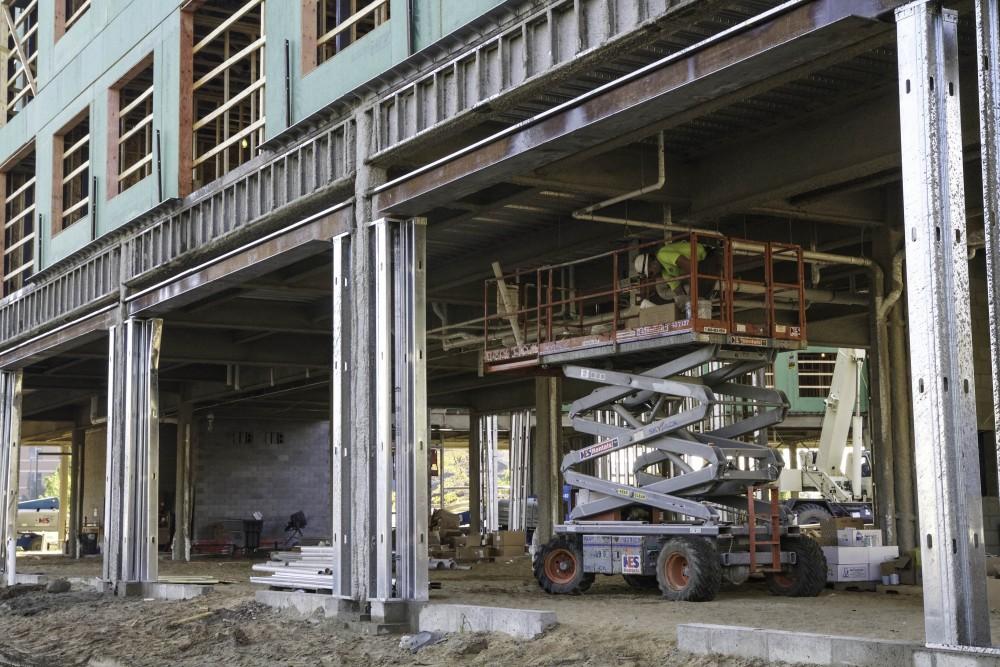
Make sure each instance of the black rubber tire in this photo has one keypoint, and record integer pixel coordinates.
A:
(688, 570)
(641, 582)
(811, 513)
(558, 567)
(805, 579)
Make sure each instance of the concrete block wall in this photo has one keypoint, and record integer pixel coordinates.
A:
(272, 467)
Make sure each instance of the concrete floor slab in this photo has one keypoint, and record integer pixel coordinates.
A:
(305, 604)
(518, 623)
(819, 649)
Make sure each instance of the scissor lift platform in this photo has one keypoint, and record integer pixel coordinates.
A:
(680, 391)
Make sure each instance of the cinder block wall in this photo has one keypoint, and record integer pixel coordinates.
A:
(275, 468)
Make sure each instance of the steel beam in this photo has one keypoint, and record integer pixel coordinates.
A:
(10, 457)
(782, 39)
(947, 454)
(132, 471)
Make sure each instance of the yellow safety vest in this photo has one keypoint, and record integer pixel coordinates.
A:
(668, 255)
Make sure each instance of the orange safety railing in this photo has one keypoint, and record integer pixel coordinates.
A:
(748, 291)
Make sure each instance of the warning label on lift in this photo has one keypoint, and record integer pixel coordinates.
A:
(598, 449)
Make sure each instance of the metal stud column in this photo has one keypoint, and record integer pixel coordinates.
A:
(948, 487)
(489, 436)
(401, 419)
(131, 487)
(988, 64)
(340, 457)
(10, 457)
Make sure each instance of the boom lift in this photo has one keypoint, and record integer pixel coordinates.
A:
(843, 490)
(683, 395)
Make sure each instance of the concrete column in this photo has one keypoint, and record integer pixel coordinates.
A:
(64, 512)
(362, 370)
(880, 404)
(475, 486)
(180, 549)
(902, 427)
(76, 510)
(546, 454)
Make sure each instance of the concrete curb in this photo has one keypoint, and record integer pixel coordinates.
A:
(303, 604)
(518, 623)
(816, 649)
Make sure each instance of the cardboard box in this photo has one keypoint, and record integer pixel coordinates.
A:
(829, 527)
(857, 563)
(472, 554)
(657, 314)
(509, 538)
(855, 537)
(509, 551)
(846, 555)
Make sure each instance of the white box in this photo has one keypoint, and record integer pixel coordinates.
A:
(879, 555)
(854, 537)
(851, 572)
(846, 555)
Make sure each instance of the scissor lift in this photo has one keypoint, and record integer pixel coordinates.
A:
(689, 516)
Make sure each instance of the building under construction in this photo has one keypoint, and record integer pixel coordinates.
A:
(268, 257)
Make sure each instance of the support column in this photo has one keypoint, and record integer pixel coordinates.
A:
(10, 463)
(881, 399)
(361, 371)
(64, 505)
(130, 517)
(545, 455)
(401, 418)
(342, 487)
(902, 418)
(988, 66)
(180, 549)
(77, 454)
(950, 503)
(475, 474)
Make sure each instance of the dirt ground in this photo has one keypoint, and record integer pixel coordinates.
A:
(610, 625)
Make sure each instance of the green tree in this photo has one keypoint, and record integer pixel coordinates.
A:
(51, 482)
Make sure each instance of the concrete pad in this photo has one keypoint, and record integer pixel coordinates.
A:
(518, 623)
(30, 579)
(161, 590)
(819, 649)
(305, 604)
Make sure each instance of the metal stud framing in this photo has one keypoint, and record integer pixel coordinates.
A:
(130, 549)
(342, 488)
(10, 456)
(520, 457)
(988, 65)
(488, 446)
(401, 419)
(948, 487)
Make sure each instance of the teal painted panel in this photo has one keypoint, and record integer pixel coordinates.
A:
(786, 378)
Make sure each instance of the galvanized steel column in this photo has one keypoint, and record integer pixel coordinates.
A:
(342, 489)
(951, 522)
(988, 65)
(10, 456)
(132, 473)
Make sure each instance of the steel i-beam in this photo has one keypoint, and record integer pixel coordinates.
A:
(947, 455)
(10, 457)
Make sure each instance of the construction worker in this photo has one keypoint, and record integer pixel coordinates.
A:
(672, 261)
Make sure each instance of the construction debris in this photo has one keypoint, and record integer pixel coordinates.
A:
(309, 568)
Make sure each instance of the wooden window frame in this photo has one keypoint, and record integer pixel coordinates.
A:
(114, 174)
(65, 23)
(344, 32)
(189, 159)
(59, 155)
(5, 199)
(25, 58)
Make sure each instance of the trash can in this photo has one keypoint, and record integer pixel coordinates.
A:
(251, 535)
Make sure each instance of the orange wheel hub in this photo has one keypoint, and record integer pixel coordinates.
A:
(675, 571)
(561, 566)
